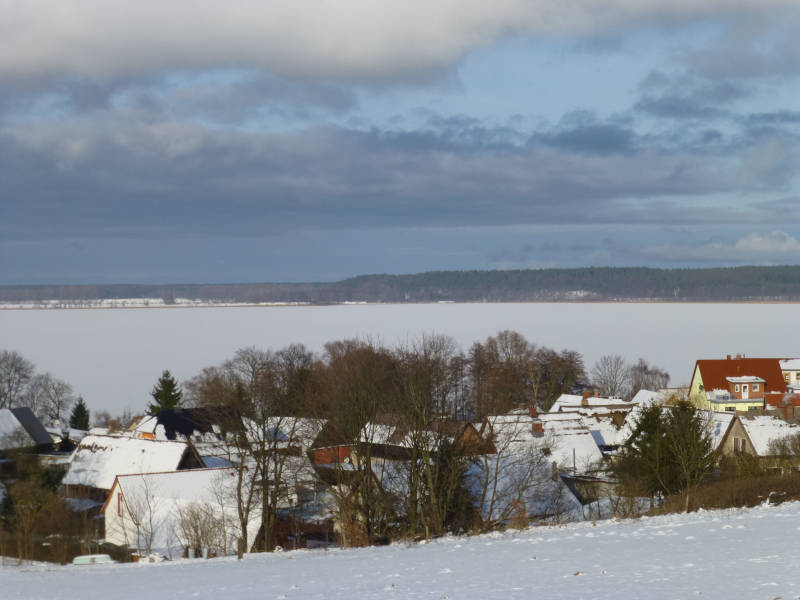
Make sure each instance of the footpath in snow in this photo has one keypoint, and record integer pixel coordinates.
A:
(732, 554)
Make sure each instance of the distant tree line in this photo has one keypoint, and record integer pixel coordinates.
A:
(530, 285)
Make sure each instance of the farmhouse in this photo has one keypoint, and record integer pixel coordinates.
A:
(736, 383)
(177, 511)
(100, 458)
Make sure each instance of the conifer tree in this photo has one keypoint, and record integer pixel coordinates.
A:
(166, 393)
(79, 419)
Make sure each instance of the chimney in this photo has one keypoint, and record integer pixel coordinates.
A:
(112, 424)
(586, 394)
(585, 401)
(729, 357)
(534, 411)
(537, 428)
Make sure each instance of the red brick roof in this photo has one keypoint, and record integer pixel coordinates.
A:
(714, 372)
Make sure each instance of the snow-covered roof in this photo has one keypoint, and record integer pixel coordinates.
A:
(719, 422)
(647, 397)
(100, 458)
(790, 364)
(12, 433)
(562, 433)
(567, 401)
(745, 379)
(764, 429)
(74, 434)
(20, 428)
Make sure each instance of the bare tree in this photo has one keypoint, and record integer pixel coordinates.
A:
(144, 507)
(644, 376)
(201, 525)
(507, 482)
(49, 398)
(15, 373)
(611, 376)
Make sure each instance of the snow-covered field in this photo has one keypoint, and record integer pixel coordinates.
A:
(733, 554)
(113, 357)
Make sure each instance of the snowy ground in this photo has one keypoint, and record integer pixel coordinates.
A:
(749, 553)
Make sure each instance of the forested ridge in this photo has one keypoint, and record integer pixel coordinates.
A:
(779, 283)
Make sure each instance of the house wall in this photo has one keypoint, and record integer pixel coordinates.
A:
(729, 445)
(697, 395)
(120, 526)
(752, 394)
(791, 377)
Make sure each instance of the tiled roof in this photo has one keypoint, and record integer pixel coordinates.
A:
(716, 372)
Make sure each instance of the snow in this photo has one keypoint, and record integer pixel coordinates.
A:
(12, 434)
(763, 429)
(157, 501)
(100, 458)
(719, 424)
(790, 364)
(718, 555)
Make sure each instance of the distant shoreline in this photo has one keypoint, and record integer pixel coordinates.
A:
(132, 306)
(779, 284)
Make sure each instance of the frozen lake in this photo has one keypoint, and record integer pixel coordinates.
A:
(112, 357)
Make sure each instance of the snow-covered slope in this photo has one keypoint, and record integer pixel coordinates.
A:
(749, 553)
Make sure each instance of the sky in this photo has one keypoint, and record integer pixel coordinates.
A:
(200, 141)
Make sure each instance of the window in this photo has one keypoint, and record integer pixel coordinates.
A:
(730, 408)
(737, 387)
(787, 377)
(744, 445)
(755, 387)
(119, 504)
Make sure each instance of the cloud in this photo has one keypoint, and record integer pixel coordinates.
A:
(776, 247)
(363, 40)
(124, 172)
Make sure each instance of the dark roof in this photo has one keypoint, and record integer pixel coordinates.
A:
(714, 372)
(32, 425)
(189, 421)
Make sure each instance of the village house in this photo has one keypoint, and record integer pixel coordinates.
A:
(736, 384)
(100, 458)
(608, 419)
(23, 438)
(755, 435)
(177, 512)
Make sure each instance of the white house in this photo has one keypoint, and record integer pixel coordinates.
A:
(177, 510)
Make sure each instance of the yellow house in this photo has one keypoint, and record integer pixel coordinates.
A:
(736, 384)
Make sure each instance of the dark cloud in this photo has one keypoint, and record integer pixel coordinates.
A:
(155, 178)
(583, 133)
(781, 117)
(678, 107)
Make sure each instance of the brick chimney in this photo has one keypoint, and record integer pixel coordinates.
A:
(534, 411)
(537, 428)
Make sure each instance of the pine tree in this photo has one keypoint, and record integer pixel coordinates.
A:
(166, 393)
(79, 419)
